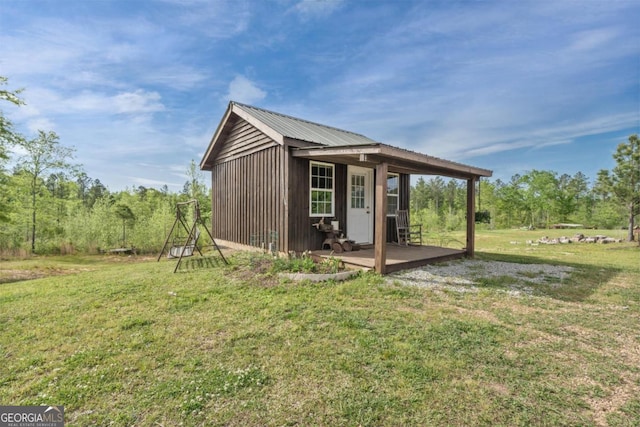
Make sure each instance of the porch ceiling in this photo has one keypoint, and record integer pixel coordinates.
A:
(398, 159)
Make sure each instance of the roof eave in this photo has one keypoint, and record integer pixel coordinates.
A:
(433, 162)
(204, 164)
(258, 124)
(400, 159)
(207, 163)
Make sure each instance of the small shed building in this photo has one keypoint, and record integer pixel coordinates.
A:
(273, 176)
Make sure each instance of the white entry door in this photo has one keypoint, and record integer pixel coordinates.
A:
(360, 204)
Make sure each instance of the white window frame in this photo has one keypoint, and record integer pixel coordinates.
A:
(332, 190)
(397, 195)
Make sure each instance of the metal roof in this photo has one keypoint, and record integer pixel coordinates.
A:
(336, 145)
(304, 130)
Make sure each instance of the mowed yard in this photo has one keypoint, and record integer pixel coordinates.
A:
(123, 341)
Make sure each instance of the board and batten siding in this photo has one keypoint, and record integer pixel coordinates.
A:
(248, 192)
(260, 194)
(302, 235)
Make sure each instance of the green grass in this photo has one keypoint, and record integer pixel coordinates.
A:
(125, 342)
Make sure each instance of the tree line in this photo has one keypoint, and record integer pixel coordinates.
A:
(48, 204)
(75, 213)
(539, 198)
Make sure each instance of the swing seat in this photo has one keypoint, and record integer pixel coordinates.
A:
(175, 251)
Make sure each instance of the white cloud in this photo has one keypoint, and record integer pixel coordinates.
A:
(308, 9)
(41, 123)
(177, 76)
(138, 102)
(88, 102)
(179, 171)
(469, 143)
(453, 79)
(468, 80)
(593, 39)
(215, 19)
(111, 52)
(146, 182)
(242, 89)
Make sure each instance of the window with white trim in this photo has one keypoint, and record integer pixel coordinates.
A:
(321, 191)
(393, 193)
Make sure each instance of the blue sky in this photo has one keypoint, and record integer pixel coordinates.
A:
(139, 87)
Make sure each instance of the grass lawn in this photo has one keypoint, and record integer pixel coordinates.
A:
(124, 341)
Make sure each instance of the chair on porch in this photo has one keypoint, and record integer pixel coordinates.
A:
(407, 234)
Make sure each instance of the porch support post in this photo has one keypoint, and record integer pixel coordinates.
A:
(471, 217)
(380, 240)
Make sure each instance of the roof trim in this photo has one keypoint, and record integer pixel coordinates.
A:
(399, 158)
(353, 149)
(235, 108)
(259, 124)
(214, 138)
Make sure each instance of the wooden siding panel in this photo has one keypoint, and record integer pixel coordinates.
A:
(243, 139)
(302, 236)
(246, 199)
(240, 132)
(240, 129)
(268, 191)
(405, 191)
(298, 203)
(284, 200)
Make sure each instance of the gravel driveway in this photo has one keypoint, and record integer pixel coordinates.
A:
(463, 276)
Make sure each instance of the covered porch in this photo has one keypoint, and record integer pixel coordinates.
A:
(397, 257)
(386, 257)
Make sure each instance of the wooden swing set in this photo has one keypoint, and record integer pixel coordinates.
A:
(182, 247)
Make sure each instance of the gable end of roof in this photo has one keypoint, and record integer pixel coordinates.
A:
(304, 130)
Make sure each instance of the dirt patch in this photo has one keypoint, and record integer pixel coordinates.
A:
(129, 258)
(10, 276)
(15, 275)
(257, 270)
